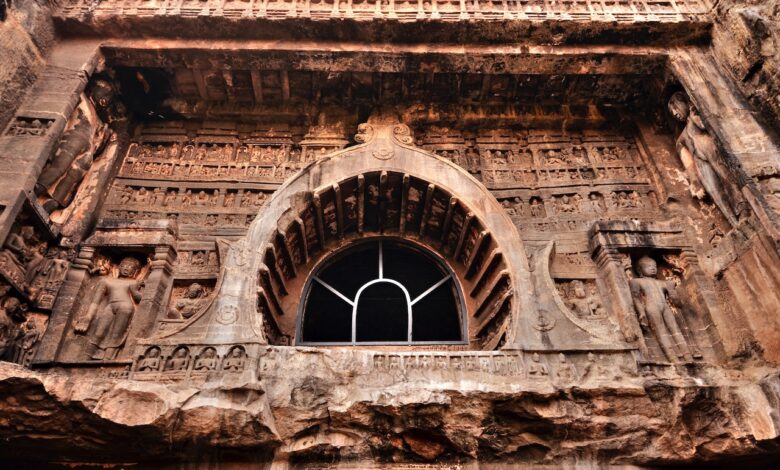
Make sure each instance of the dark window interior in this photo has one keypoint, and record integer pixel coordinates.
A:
(382, 310)
(382, 313)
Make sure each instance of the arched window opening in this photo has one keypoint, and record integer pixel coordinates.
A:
(382, 292)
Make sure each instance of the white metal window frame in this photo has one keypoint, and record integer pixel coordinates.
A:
(353, 303)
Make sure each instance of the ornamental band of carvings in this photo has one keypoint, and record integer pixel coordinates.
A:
(443, 10)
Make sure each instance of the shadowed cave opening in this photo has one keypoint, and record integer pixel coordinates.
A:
(382, 292)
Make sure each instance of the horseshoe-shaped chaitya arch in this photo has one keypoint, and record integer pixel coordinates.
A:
(385, 187)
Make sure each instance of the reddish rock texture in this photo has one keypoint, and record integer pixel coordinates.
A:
(357, 234)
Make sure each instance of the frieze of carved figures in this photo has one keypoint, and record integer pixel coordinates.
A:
(498, 364)
(482, 10)
(575, 260)
(186, 161)
(708, 175)
(658, 305)
(76, 150)
(111, 308)
(197, 261)
(202, 171)
(183, 360)
(582, 298)
(25, 126)
(184, 199)
(555, 368)
(206, 220)
(568, 204)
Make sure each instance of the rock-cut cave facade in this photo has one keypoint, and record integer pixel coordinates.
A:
(381, 234)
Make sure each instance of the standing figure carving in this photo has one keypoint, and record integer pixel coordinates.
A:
(652, 297)
(110, 311)
(65, 170)
(26, 340)
(699, 154)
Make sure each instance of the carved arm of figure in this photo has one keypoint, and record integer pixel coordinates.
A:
(81, 325)
(673, 295)
(638, 296)
(135, 290)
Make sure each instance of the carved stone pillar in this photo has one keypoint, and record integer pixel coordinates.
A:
(612, 272)
(156, 291)
(68, 300)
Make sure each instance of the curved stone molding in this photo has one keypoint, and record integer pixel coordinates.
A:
(264, 273)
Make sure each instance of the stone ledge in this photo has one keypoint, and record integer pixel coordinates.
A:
(310, 413)
(625, 21)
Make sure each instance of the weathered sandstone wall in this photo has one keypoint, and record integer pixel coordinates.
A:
(25, 36)
(746, 41)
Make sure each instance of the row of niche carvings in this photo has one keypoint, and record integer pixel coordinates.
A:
(500, 157)
(180, 363)
(408, 10)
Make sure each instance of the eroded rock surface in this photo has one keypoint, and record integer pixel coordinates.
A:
(746, 41)
(313, 411)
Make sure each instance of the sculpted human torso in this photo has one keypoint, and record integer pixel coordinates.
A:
(701, 159)
(652, 299)
(106, 326)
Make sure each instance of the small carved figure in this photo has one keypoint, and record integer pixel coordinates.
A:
(701, 159)
(26, 341)
(579, 304)
(201, 199)
(595, 203)
(508, 207)
(179, 360)
(553, 158)
(14, 309)
(635, 199)
(536, 208)
(651, 300)
(715, 235)
(565, 205)
(141, 197)
(207, 360)
(170, 198)
(109, 314)
(150, 361)
(49, 277)
(235, 359)
(536, 368)
(565, 370)
(188, 305)
(594, 303)
(7, 328)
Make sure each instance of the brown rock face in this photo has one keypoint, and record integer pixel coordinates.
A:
(746, 41)
(389, 234)
(646, 422)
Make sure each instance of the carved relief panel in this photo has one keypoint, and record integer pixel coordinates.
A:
(553, 182)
